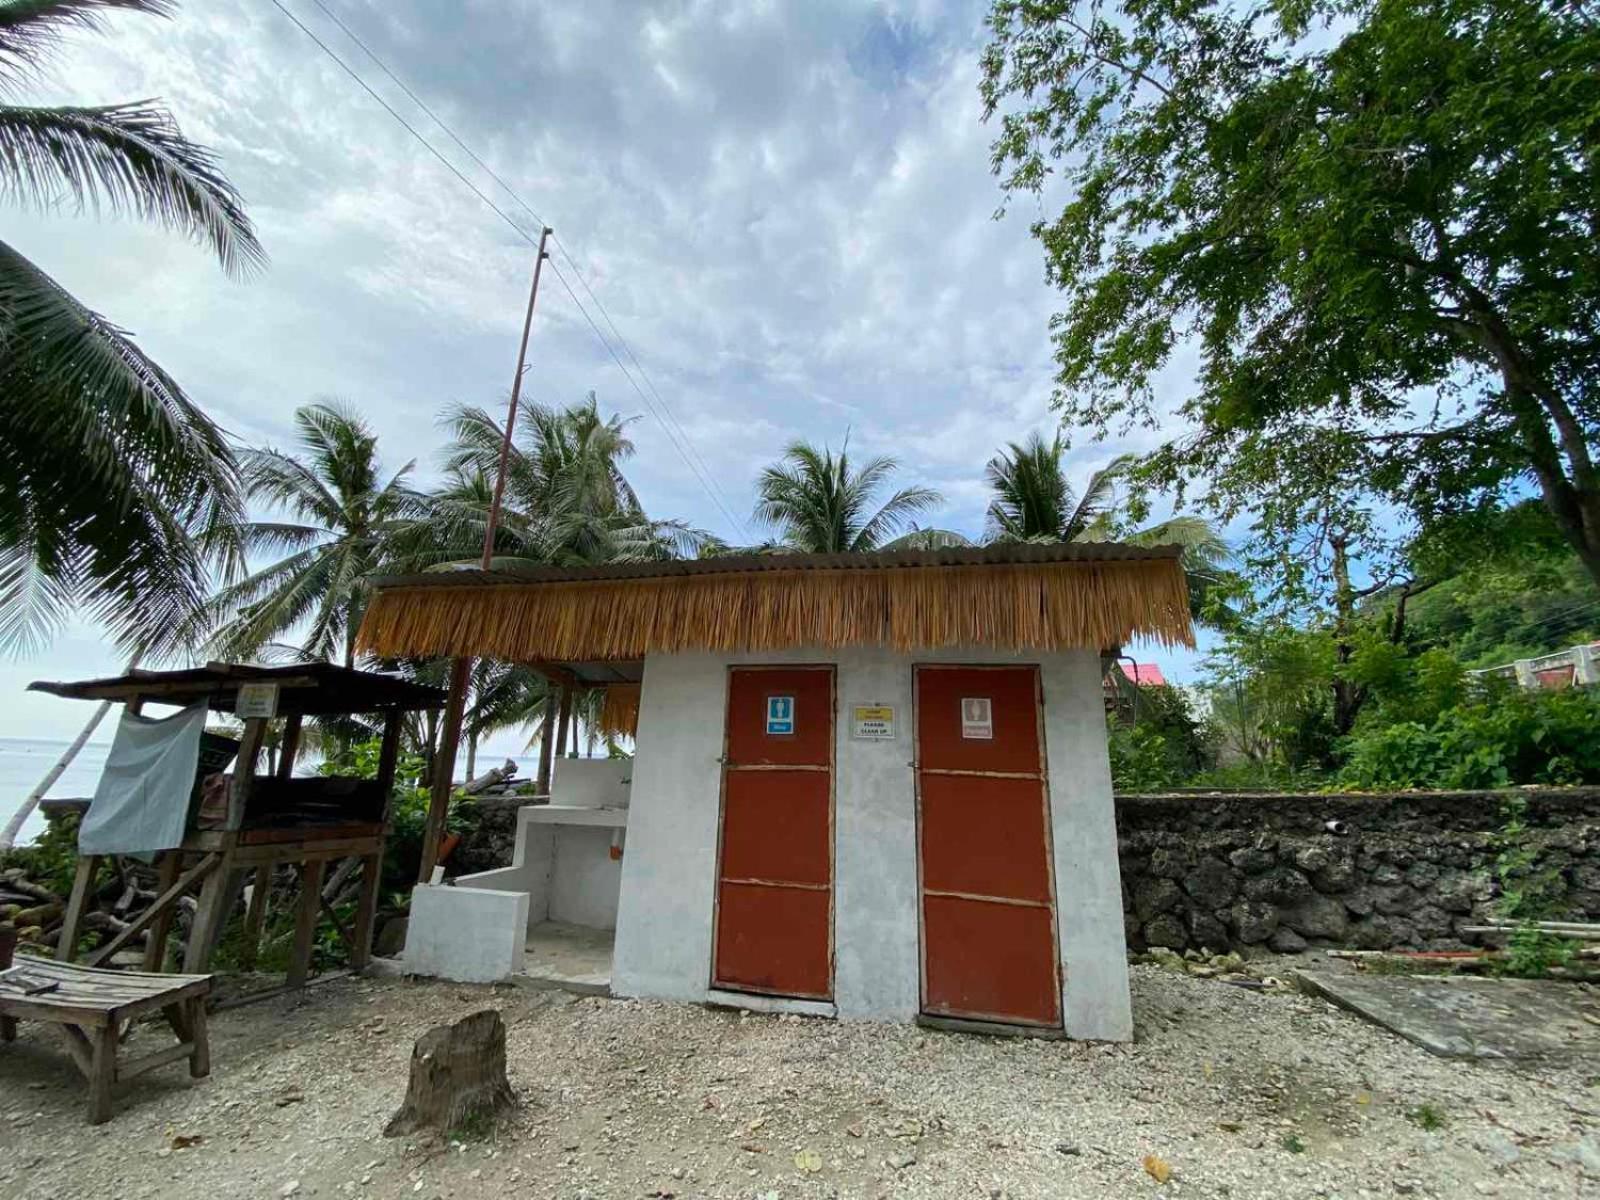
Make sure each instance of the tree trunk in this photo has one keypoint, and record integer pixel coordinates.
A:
(458, 1078)
(547, 741)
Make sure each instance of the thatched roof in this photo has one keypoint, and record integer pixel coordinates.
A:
(1008, 597)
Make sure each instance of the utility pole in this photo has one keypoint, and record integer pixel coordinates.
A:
(444, 763)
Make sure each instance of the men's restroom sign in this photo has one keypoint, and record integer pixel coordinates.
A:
(780, 715)
(977, 718)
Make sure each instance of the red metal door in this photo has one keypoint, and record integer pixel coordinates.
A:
(988, 894)
(774, 927)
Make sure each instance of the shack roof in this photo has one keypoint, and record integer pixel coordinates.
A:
(1018, 597)
(312, 689)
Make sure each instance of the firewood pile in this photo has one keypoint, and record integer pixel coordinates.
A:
(36, 911)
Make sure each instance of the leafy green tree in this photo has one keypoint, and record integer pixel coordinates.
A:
(1034, 502)
(345, 518)
(822, 504)
(108, 471)
(1529, 595)
(1375, 221)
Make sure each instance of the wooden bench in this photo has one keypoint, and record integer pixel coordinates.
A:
(91, 1005)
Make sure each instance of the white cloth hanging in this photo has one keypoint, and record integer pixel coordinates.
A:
(141, 804)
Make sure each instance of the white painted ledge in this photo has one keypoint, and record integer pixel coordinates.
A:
(569, 814)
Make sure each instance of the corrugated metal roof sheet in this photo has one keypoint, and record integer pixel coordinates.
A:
(736, 564)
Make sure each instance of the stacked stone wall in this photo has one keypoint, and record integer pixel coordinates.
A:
(1289, 871)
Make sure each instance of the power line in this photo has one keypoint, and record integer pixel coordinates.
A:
(411, 129)
(670, 424)
(578, 271)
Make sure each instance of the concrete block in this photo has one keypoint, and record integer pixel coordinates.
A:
(470, 935)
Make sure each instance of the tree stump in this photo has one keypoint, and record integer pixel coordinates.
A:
(458, 1078)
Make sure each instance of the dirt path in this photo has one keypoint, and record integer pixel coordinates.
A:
(1243, 1095)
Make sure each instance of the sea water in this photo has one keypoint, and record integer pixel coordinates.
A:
(24, 762)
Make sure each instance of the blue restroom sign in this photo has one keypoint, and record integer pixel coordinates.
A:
(780, 715)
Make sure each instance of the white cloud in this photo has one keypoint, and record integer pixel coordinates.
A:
(786, 208)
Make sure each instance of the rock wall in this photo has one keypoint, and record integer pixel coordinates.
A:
(494, 838)
(1264, 871)
(1284, 872)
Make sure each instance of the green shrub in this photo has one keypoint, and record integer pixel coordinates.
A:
(408, 810)
(1158, 742)
(51, 860)
(1142, 760)
(1519, 737)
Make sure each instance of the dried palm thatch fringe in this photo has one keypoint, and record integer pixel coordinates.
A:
(1018, 607)
(619, 713)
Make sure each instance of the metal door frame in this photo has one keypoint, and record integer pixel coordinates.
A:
(723, 767)
(1049, 842)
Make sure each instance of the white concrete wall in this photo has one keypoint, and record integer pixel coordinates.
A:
(566, 871)
(591, 782)
(532, 856)
(585, 881)
(1083, 820)
(664, 927)
(470, 935)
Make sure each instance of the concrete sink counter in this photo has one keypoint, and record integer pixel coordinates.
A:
(568, 855)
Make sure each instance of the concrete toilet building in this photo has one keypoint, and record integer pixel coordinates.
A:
(872, 786)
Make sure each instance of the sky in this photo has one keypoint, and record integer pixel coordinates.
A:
(786, 209)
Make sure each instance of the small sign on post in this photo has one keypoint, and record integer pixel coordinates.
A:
(780, 716)
(977, 718)
(256, 700)
(872, 722)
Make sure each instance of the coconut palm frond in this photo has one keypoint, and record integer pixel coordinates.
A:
(353, 521)
(1031, 496)
(127, 158)
(1033, 502)
(32, 30)
(117, 495)
(928, 539)
(894, 513)
(1202, 544)
(1094, 506)
(817, 502)
(109, 472)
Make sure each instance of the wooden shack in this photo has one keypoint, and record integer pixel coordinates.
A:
(246, 823)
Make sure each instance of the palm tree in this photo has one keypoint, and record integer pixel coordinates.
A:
(108, 472)
(820, 504)
(567, 500)
(345, 519)
(1033, 502)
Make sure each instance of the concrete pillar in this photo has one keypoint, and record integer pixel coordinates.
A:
(1585, 665)
(1525, 676)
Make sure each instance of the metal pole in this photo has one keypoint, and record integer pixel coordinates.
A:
(444, 764)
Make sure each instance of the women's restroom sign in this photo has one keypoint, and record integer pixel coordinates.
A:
(977, 718)
(780, 715)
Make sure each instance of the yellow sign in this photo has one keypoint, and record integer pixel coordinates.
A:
(872, 722)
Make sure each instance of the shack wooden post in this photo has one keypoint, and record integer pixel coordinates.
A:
(372, 864)
(155, 947)
(82, 882)
(221, 888)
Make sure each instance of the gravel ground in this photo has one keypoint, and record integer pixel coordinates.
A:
(1240, 1094)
